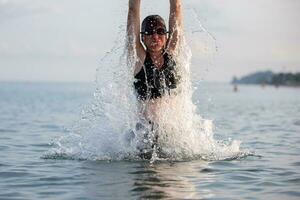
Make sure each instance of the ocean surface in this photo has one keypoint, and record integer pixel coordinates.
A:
(266, 120)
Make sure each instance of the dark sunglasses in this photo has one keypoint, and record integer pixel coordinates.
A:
(159, 31)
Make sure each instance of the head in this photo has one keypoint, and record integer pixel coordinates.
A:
(154, 33)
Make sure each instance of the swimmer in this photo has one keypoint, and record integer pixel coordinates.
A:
(154, 48)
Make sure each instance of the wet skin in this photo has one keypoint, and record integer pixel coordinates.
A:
(155, 43)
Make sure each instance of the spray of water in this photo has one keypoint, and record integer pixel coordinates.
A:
(111, 128)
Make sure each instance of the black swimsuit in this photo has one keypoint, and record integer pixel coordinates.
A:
(152, 83)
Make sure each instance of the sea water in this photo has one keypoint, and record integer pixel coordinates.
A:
(266, 120)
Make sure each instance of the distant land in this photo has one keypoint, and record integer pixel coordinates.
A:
(269, 78)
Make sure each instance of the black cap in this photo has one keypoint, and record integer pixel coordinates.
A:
(151, 22)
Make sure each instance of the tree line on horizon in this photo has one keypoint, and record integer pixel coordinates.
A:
(269, 78)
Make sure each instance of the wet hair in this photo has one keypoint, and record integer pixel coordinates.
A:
(151, 22)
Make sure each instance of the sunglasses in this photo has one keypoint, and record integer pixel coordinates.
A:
(159, 31)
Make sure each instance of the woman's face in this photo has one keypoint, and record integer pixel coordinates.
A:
(155, 40)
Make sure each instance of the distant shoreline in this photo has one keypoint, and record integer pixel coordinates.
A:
(269, 78)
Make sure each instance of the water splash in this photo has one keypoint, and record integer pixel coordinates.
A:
(110, 127)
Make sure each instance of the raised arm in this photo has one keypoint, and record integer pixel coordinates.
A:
(133, 31)
(175, 25)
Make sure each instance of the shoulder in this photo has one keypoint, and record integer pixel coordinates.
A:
(169, 58)
(169, 53)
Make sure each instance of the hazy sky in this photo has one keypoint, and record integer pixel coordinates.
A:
(64, 40)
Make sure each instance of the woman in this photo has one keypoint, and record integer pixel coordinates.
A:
(154, 48)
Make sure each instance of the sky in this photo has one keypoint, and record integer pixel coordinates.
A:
(64, 40)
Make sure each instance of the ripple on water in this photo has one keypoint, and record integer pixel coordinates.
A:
(19, 145)
(143, 172)
(3, 147)
(292, 180)
(156, 195)
(52, 193)
(4, 165)
(291, 193)
(297, 122)
(269, 184)
(255, 170)
(243, 178)
(43, 182)
(14, 174)
(50, 127)
(56, 178)
(12, 195)
(224, 164)
(41, 145)
(296, 163)
(8, 131)
(208, 170)
(285, 173)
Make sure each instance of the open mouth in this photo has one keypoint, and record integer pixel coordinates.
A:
(155, 43)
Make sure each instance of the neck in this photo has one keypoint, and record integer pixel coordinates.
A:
(157, 58)
(156, 55)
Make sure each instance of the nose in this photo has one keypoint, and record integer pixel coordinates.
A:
(155, 35)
